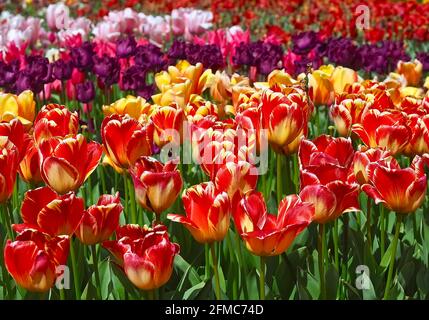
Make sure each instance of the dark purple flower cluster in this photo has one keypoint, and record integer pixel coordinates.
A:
(423, 57)
(209, 55)
(263, 55)
(107, 69)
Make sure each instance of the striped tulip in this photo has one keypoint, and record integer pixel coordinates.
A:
(268, 234)
(208, 213)
(145, 254)
(9, 161)
(157, 185)
(69, 163)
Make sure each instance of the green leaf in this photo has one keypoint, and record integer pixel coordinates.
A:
(194, 290)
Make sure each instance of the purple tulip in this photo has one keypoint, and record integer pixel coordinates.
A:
(134, 78)
(82, 56)
(126, 47)
(304, 42)
(85, 92)
(62, 69)
(107, 69)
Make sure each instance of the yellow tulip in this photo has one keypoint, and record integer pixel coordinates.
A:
(22, 107)
(135, 107)
(321, 87)
(341, 77)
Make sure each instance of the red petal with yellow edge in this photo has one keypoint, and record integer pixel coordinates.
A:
(62, 216)
(34, 201)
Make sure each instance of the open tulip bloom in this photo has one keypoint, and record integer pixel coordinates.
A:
(183, 154)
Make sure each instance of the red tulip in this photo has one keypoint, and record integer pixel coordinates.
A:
(325, 159)
(32, 259)
(29, 167)
(145, 254)
(100, 220)
(268, 234)
(400, 190)
(207, 213)
(157, 185)
(283, 118)
(69, 163)
(363, 158)
(168, 124)
(55, 120)
(125, 140)
(9, 160)
(332, 200)
(42, 209)
(16, 134)
(385, 130)
(419, 140)
(236, 177)
(347, 112)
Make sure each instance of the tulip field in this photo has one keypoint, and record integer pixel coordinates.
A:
(214, 150)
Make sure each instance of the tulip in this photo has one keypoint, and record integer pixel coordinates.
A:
(100, 220)
(32, 259)
(347, 112)
(412, 71)
(55, 120)
(400, 190)
(145, 254)
(342, 77)
(385, 130)
(125, 140)
(321, 88)
(136, 107)
(85, 92)
(126, 47)
(70, 163)
(157, 185)
(268, 234)
(179, 82)
(364, 157)
(29, 167)
(283, 118)
(168, 123)
(419, 140)
(236, 177)
(42, 209)
(22, 107)
(14, 131)
(332, 200)
(9, 160)
(207, 213)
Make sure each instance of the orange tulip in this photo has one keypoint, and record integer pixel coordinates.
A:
(412, 71)
(168, 123)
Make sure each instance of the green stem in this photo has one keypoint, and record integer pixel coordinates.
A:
(150, 295)
(290, 187)
(383, 230)
(322, 260)
(62, 294)
(242, 264)
(215, 271)
(279, 179)
(96, 270)
(75, 270)
(368, 223)
(399, 218)
(262, 278)
(124, 176)
(8, 220)
(336, 245)
(133, 204)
